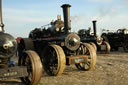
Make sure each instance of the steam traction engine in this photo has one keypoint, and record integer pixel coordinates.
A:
(27, 69)
(96, 41)
(117, 39)
(58, 47)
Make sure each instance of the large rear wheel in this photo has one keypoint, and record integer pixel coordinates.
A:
(53, 60)
(32, 61)
(87, 50)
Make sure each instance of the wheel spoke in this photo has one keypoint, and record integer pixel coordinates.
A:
(88, 63)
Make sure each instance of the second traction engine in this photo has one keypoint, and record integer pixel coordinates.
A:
(57, 46)
(117, 39)
(96, 41)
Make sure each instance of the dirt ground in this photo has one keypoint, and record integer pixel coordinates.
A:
(111, 69)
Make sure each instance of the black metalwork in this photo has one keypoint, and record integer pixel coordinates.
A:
(117, 39)
(66, 11)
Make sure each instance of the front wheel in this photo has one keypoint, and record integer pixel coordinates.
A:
(32, 61)
(108, 47)
(91, 53)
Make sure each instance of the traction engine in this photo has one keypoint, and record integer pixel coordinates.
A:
(117, 39)
(57, 46)
(96, 41)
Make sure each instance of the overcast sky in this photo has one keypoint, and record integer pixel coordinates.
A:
(21, 16)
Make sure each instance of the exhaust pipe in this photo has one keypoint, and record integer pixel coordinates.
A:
(1, 21)
(94, 27)
(66, 13)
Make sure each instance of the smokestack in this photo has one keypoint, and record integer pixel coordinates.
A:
(1, 21)
(66, 12)
(94, 27)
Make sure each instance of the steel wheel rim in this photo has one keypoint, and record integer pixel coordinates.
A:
(94, 46)
(108, 47)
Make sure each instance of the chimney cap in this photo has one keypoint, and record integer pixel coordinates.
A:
(94, 21)
(66, 5)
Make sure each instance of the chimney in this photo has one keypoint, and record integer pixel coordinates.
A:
(1, 21)
(66, 12)
(94, 27)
